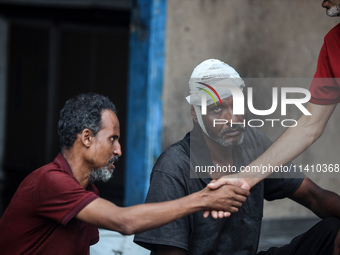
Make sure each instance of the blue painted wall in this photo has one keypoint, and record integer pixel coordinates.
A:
(144, 120)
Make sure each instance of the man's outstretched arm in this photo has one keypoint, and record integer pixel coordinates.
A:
(134, 219)
(288, 146)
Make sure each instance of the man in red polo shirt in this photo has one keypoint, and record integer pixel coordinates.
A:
(56, 209)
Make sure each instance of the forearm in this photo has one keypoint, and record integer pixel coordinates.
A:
(148, 216)
(293, 141)
(138, 218)
(134, 219)
(326, 204)
(143, 217)
(289, 145)
(323, 203)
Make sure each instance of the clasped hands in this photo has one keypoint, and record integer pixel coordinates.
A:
(225, 180)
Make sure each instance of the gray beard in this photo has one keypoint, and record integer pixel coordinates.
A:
(103, 174)
(221, 141)
(333, 11)
(225, 143)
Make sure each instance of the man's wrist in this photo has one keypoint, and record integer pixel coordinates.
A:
(196, 202)
(253, 181)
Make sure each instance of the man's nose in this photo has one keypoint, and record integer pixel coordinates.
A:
(231, 117)
(237, 118)
(117, 149)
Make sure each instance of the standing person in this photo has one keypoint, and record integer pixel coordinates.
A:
(56, 209)
(182, 170)
(325, 95)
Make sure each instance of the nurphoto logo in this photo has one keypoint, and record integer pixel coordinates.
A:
(239, 102)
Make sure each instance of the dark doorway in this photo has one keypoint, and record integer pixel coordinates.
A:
(54, 54)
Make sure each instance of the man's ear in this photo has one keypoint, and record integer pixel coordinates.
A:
(86, 137)
(193, 114)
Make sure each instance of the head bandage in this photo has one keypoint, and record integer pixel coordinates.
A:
(210, 76)
(212, 72)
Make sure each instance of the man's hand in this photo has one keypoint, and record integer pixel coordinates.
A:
(224, 180)
(215, 184)
(227, 199)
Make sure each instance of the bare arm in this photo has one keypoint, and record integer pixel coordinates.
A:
(288, 146)
(134, 219)
(297, 139)
(322, 202)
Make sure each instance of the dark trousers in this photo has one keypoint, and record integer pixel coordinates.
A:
(319, 240)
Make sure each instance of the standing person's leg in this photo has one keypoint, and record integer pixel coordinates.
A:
(319, 240)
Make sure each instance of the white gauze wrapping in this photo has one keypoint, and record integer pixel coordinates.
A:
(210, 72)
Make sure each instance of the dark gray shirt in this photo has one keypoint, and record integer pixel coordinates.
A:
(238, 234)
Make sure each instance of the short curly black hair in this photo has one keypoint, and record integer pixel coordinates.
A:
(80, 112)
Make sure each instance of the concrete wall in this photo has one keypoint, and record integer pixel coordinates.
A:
(259, 39)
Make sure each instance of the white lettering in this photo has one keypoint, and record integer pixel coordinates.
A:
(297, 101)
(262, 112)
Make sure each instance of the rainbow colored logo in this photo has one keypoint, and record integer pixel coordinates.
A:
(207, 91)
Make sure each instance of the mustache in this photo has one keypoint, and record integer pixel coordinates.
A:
(114, 159)
(236, 127)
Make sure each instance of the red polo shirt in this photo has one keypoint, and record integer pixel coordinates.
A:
(327, 91)
(41, 216)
